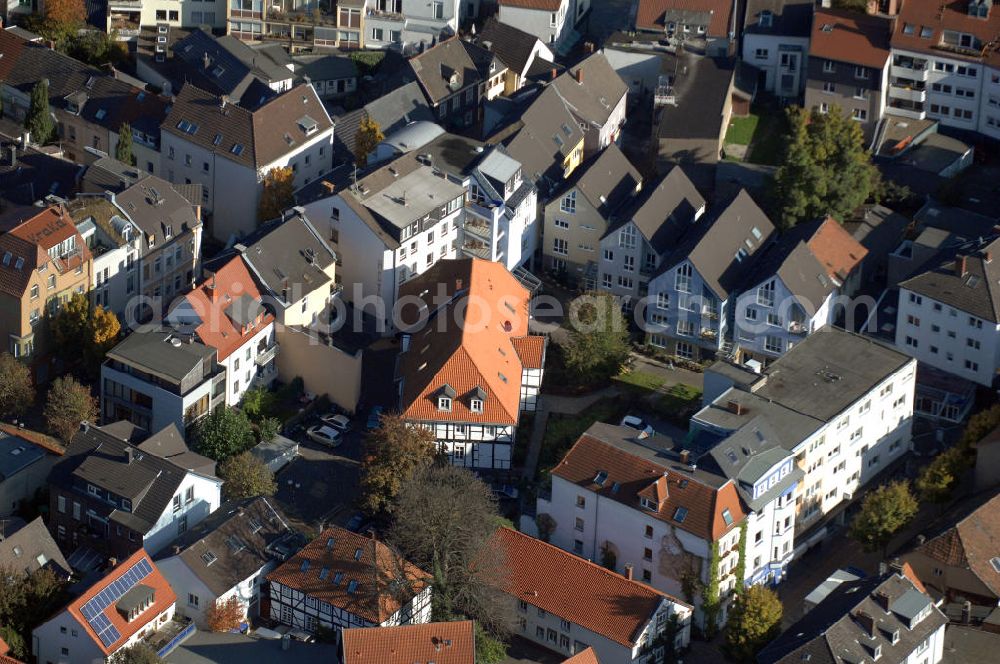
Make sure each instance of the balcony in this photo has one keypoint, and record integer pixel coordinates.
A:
(907, 92)
(916, 70)
(266, 356)
(124, 5)
(709, 334)
(906, 109)
(479, 229)
(476, 249)
(798, 327)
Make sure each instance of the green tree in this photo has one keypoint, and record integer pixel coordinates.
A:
(268, 428)
(369, 135)
(825, 171)
(223, 433)
(598, 338)
(883, 513)
(257, 403)
(139, 653)
(981, 424)
(14, 641)
(26, 601)
(63, 18)
(277, 193)
(444, 519)
(69, 326)
(246, 476)
(38, 121)
(489, 648)
(68, 404)
(754, 620)
(937, 481)
(123, 151)
(392, 453)
(17, 392)
(852, 5)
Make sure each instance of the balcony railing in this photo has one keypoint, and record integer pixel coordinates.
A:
(706, 333)
(265, 357)
(479, 230)
(914, 71)
(907, 92)
(795, 327)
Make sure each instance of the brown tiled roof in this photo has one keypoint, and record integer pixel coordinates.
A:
(48, 443)
(592, 88)
(587, 656)
(971, 543)
(651, 12)
(478, 353)
(847, 36)
(637, 478)
(531, 351)
(335, 551)
(576, 589)
(163, 597)
(434, 67)
(438, 642)
(543, 5)
(836, 249)
(941, 16)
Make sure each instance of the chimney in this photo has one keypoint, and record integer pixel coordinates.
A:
(960, 266)
(987, 256)
(685, 457)
(882, 599)
(329, 187)
(177, 550)
(129, 455)
(735, 407)
(112, 563)
(579, 74)
(85, 426)
(25, 139)
(628, 571)
(966, 612)
(896, 566)
(223, 100)
(458, 284)
(555, 73)
(13, 156)
(867, 622)
(206, 60)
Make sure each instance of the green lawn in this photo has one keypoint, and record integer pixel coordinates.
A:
(641, 380)
(679, 403)
(741, 130)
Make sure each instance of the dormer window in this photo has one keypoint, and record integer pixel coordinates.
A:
(476, 405)
(649, 504)
(444, 403)
(766, 19)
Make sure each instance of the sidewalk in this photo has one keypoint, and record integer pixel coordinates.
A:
(550, 403)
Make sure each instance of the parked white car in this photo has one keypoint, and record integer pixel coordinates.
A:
(638, 424)
(339, 422)
(324, 435)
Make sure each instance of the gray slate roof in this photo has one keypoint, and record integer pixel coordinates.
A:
(326, 67)
(851, 622)
(828, 371)
(452, 65)
(789, 18)
(548, 134)
(154, 204)
(30, 548)
(239, 536)
(391, 111)
(712, 243)
(597, 95)
(607, 181)
(664, 213)
(512, 45)
(151, 350)
(98, 458)
(975, 292)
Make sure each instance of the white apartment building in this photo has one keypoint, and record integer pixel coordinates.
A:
(949, 316)
(840, 402)
(776, 42)
(394, 224)
(943, 66)
(563, 603)
(228, 150)
(793, 288)
(114, 242)
(410, 23)
(501, 219)
(549, 20)
(641, 506)
(126, 17)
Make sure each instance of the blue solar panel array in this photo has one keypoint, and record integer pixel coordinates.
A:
(93, 610)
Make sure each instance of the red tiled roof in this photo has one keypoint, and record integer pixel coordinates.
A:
(912, 576)
(642, 478)
(587, 656)
(335, 550)
(438, 642)
(469, 344)
(210, 301)
(650, 14)
(576, 589)
(847, 36)
(4, 658)
(162, 599)
(836, 249)
(31, 241)
(544, 5)
(941, 16)
(531, 350)
(971, 544)
(47, 443)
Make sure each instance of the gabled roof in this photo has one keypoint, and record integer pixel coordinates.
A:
(835, 248)
(28, 175)
(168, 443)
(251, 138)
(848, 36)
(587, 656)
(592, 89)
(227, 307)
(607, 180)
(156, 207)
(231, 544)
(288, 254)
(974, 290)
(971, 544)
(478, 354)
(351, 572)
(445, 69)
(577, 590)
(28, 243)
(664, 213)
(711, 244)
(549, 133)
(438, 642)
(715, 14)
(788, 18)
(31, 548)
(694, 500)
(96, 609)
(391, 111)
(854, 619)
(148, 481)
(512, 45)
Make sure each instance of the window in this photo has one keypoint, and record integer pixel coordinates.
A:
(860, 72)
(553, 19)
(774, 320)
(578, 525)
(437, 9)
(682, 280)
(829, 87)
(647, 554)
(829, 67)
(581, 501)
(971, 366)
(52, 281)
(444, 403)
(560, 246)
(34, 292)
(647, 576)
(192, 600)
(773, 344)
(177, 503)
(606, 281)
(560, 223)
(627, 237)
(662, 300)
(649, 532)
(568, 203)
(61, 504)
(609, 255)
(859, 114)
(760, 54)
(765, 295)
(926, 33)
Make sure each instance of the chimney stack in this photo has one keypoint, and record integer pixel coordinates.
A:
(882, 599)
(555, 73)
(579, 74)
(685, 457)
(628, 571)
(458, 284)
(13, 156)
(206, 60)
(960, 266)
(129, 455)
(867, 622)
(735, 407)
(112, 563)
